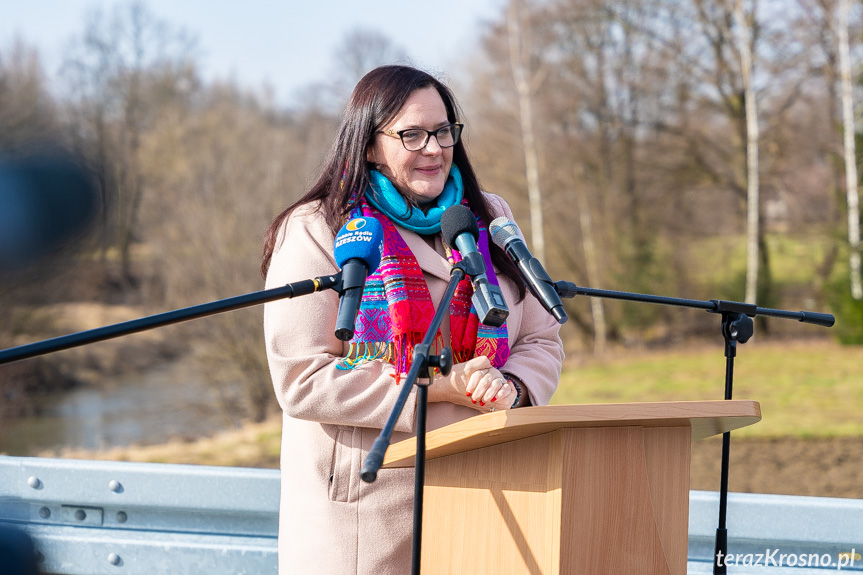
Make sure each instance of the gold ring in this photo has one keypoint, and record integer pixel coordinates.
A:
(490, 409)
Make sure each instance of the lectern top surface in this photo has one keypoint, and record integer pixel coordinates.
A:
(706, 418)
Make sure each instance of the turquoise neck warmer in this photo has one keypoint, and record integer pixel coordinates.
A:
(386, 198)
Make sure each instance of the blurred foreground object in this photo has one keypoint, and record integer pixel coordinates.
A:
(17, 554)
(46, 201)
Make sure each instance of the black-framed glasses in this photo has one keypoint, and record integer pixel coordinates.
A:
(415, 139)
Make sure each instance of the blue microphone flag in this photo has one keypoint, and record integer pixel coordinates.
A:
(360, 238)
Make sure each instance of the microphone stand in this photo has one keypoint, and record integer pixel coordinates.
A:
(737, 327)
(423, 364)
(299, 288)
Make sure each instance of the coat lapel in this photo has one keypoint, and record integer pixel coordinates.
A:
(428, 259)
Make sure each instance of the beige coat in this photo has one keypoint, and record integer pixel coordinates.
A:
(330, 521)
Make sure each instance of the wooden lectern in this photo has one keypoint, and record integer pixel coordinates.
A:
(565, 489)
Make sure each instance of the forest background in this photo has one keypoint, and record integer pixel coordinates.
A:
(690, 149)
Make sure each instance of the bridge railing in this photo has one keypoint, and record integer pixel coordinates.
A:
(94, 517)
(91, 517)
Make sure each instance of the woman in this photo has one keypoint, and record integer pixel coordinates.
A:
(398, 157)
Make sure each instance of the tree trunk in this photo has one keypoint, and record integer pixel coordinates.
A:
(850, 153)
(752, 184)
(591, 258)
(531, 163)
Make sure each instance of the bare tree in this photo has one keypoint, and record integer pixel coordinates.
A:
(29, 129)
(109, 72)
(720, 123)
(220, 165)
(744, 22)
(361, 50)
(850, 152)
(597, 70)
(28, 116)
(607, 86)
(591, 257)
(526, 84)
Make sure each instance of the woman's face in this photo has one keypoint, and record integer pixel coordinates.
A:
(419, 175)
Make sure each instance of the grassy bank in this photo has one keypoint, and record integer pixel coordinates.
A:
(806, 389)
(253, 445)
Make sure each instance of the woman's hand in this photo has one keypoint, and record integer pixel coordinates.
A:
(474, 383)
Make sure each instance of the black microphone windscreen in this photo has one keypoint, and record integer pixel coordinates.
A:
(455, 221)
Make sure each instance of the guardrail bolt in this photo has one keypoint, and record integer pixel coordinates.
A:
(44, 513)
(122, 517)
(80, 515)
(34, 482)
(114, 559)
(115, 486)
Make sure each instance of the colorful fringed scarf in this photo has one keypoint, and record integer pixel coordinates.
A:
(396, 309)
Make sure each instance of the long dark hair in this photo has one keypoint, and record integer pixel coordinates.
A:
(375, 101)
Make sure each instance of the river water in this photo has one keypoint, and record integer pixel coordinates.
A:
(170, 401)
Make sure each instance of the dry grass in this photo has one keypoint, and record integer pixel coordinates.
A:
(253, 445)
(806, 388)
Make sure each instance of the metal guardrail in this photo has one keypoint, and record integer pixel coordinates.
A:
(95, 517)
(778, 534)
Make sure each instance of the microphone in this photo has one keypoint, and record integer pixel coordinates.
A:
(47, 201)
(459, 229)
(505, 234)
(357, 250)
